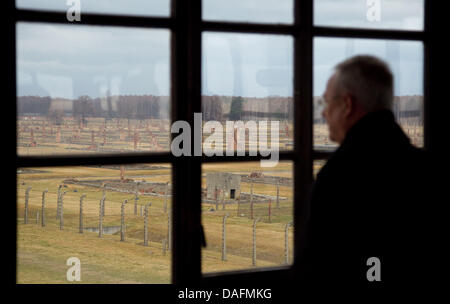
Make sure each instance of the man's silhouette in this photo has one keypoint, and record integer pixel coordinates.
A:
(371, 200)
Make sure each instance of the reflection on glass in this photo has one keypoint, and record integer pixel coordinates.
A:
(92, 89)
(261, 11)
(377, 14)
(129, 7)
(249, 78)
(405, 59)
(60, 211)
(247, 215)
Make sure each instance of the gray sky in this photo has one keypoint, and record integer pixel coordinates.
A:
(71, 60)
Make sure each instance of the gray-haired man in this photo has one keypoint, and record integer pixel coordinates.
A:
(370, 199)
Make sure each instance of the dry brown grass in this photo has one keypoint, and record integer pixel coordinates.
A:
(43, 251)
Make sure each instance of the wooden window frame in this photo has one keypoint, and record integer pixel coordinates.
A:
(186, 26)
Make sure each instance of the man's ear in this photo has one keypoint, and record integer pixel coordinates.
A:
(349, 105)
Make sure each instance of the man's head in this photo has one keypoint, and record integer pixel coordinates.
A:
(359, 85)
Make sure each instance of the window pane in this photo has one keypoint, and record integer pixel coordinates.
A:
(405, 59)
(42, 251)
(256, 87)
(89, 89)
(129, 7)
(377, 14)
(235, 195)
(261, 11)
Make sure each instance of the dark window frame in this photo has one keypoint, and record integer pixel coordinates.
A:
(186, 28)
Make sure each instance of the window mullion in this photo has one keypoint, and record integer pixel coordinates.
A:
(186, 95)
(302, 123)
(428, 77)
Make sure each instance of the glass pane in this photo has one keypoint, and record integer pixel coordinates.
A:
(255, 87)
(261, 11)
(405, 59)
(376, 14)
(247, 215)
(130, 7)
(89, 89)
(49, 233)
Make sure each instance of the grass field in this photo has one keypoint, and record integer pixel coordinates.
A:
(42, 251)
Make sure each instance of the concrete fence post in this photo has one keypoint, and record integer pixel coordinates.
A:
(100, 218)
(165, 196)
(270, 209)
(224, 238)
(164, 246)
(278, 194)
(27, 196)
(122, 221)
(286, 242)
(136, 198)
(251, 199)
(61, 212)
(217, 199)
(223, 199)
(238, 206)
(254, 242)
(43, 208)
(103, 199)
(146, 224)
(80, 225)
(169, 230)
(58, 199)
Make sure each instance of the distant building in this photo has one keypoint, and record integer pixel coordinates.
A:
(222, 181)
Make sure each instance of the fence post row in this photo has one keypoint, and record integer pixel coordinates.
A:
(166, 243)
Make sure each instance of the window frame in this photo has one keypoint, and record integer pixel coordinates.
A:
(186, 26)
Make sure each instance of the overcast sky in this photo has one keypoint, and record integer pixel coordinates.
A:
(70, 60)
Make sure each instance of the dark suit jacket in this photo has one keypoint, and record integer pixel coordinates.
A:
(371, 199)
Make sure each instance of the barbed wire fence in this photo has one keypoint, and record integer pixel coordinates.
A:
(98, 211)
(79, 212)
